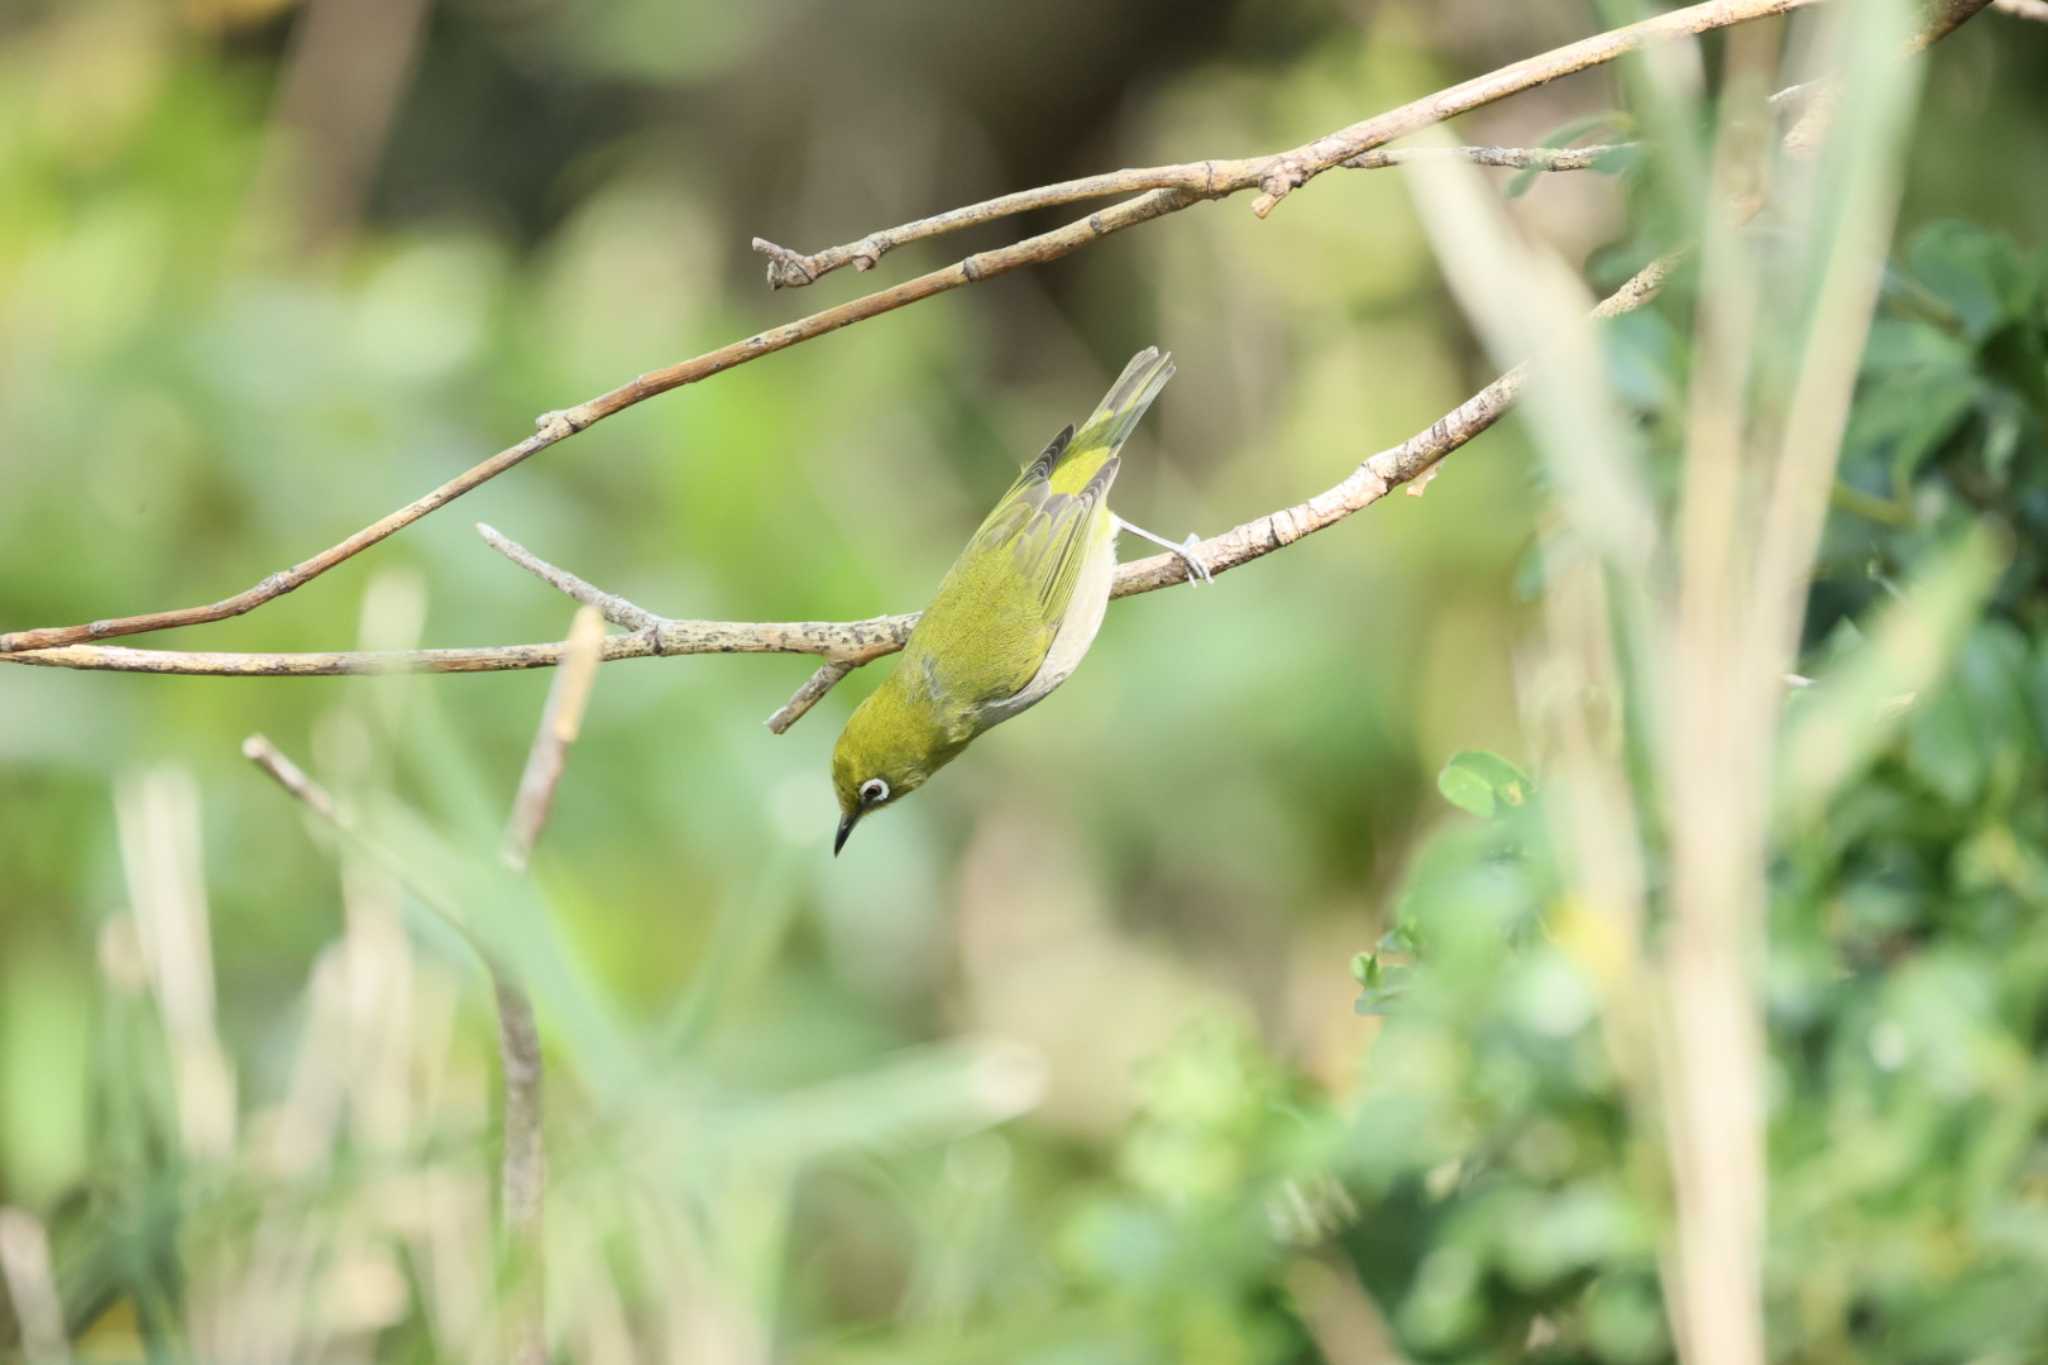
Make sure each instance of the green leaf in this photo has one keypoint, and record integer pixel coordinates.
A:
(1966, 741)
(1618, 160)
(1981, 275)
(1380, 984)
(1483, 784)
(1910, 344)
(1901, 422)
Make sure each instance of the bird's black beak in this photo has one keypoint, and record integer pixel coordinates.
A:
(846, 823)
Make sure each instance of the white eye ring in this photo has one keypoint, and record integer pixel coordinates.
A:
(873, 791)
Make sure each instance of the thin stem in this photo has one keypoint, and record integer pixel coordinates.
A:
(523, 1174)
(523, 1166)
(560, 721)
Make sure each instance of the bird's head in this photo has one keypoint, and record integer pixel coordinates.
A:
(886, 752)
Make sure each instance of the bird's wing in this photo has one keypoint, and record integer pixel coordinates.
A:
(1048, 512)
(994, 617)
(987, 630)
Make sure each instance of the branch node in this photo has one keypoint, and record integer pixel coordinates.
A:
(1276, 185)
(561, 423)
(786, 269)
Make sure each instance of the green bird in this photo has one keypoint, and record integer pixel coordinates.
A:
(1013, 616)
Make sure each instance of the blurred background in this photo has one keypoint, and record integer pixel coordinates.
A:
(1053, 1064)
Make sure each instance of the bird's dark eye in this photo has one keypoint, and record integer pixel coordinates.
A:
(873, 790)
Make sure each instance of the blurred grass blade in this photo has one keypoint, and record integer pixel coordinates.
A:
(507, 916)
(1527, 305)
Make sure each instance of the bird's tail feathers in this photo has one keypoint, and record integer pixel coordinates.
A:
(1113, 420)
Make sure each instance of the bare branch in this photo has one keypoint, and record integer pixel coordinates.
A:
(1172, 189)
(848, 644)
(789, 269)
(259, 750)
(1288, 171)
(1279, 173)
(1943, 17)
(559, 426)
(1939, 19)
(853, 642)
(1514, 158)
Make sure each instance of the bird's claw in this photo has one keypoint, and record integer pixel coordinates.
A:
(1198, 572)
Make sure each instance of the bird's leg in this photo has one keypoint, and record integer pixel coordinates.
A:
(1198, 572)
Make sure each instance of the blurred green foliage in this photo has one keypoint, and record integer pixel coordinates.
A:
(1063, 1064)
(1908, 952)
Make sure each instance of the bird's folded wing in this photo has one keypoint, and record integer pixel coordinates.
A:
(995, 615)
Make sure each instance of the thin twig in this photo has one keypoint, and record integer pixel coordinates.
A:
(815, 687)
(1174, 188)
(614, 608)
(560, 720)
(789, 269)
(1278, 174)
(1514, 158)
(259, 750)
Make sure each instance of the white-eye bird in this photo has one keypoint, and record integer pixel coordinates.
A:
(1013, 616)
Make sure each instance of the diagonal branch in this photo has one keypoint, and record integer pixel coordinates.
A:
(847, 645)
(789, 269)
(1278, 174)
(1172, 188)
